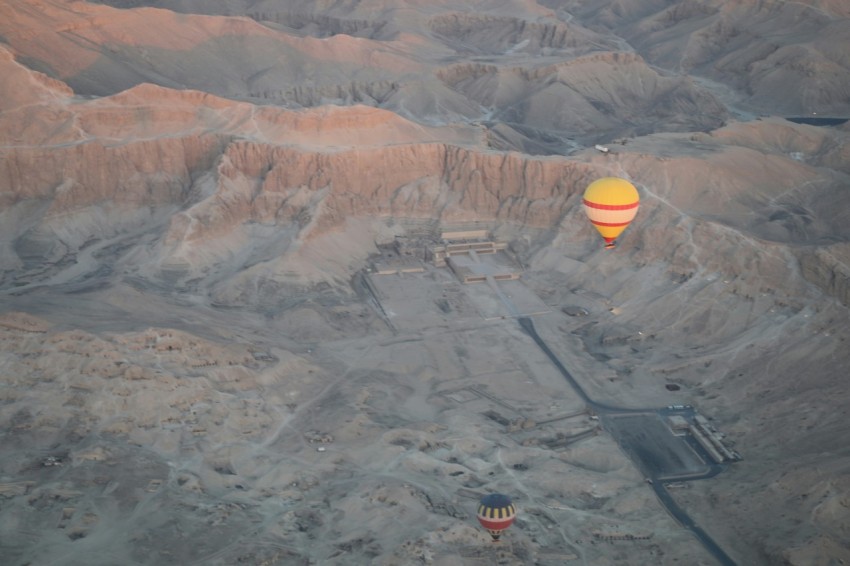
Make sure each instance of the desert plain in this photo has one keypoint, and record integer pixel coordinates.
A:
(225, 337)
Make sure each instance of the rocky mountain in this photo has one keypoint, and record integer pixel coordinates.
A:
(176, 175)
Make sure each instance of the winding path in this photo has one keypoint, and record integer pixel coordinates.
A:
(657, 482)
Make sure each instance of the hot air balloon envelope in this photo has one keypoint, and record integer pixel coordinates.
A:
(611, 204)
(496, 513)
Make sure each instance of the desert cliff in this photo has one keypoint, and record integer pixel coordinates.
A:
(200, 362)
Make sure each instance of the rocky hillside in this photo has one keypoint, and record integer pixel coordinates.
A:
(191, 211)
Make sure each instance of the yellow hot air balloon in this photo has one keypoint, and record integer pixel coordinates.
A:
(611, 204)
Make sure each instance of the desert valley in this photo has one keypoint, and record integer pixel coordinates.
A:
(232, 330)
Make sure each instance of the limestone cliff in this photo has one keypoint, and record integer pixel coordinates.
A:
(207, 177)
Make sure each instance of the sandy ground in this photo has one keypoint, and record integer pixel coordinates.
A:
(359, 432)
(365, 442)
(200, 363)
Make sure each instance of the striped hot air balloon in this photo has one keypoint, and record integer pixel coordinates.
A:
(496, 513)
(611, 204)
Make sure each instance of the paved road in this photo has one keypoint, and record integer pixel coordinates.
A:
(817, 120)
(685, 520)
(657, 482)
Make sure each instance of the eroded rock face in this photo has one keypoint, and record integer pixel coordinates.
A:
(407, 59)
(827, 268)
(195, 205)
(204, 170)
(725, 41)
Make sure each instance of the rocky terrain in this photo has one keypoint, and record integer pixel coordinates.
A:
(197, 365)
